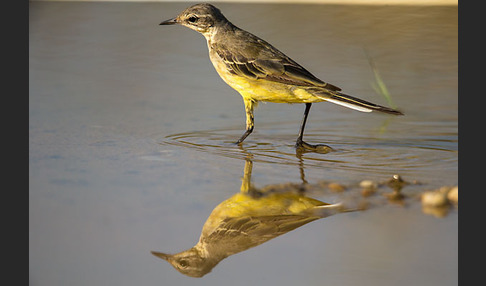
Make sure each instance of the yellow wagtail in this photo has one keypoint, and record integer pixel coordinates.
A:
(247, 219)
(260, 72)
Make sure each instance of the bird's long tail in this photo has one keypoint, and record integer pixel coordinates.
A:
(356, 103)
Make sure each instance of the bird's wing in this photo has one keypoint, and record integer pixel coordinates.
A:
(236, 234)
(256, 59)
(261, 226)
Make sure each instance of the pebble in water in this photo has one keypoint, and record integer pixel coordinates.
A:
(438, 202)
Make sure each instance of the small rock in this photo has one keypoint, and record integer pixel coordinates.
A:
(336, 187)
(368, 184)
(453, 195)
(368, 187)
(434, 199)
(397, 177)
(396, 182)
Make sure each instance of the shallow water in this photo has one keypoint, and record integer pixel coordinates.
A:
(131, 134)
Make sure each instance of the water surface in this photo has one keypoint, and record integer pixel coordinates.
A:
(131, 135)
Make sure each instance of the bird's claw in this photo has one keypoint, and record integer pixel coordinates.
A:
(302, 146)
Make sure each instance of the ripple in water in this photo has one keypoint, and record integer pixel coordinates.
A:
(417, 155)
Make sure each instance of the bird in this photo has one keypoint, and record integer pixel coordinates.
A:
(262, 73)
(249, 218)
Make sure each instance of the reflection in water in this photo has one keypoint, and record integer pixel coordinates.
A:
(247, 219)
(256, 215)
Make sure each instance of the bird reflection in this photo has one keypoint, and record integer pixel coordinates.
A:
(247, 219)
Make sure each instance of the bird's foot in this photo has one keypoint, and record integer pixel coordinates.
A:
(243, 137)
(302, 146)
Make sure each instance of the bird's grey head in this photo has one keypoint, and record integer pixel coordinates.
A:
(200, 17)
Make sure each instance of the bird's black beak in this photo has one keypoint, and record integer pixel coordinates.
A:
(164, 256)
(170, 22)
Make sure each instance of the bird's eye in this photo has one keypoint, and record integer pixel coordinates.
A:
(192, 19)
(183, 263)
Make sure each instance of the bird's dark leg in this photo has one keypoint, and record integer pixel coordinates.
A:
(249, 104)
(300, 144)
(247, 132)
(300, 139)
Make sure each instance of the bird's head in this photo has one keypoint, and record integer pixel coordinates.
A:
(190, 262)
(202, 18)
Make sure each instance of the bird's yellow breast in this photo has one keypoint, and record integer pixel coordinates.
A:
(262, 89)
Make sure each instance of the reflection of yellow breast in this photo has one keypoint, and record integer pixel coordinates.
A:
(275, 204)
(272, 204)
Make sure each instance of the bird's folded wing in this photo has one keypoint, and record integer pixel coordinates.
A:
(279, 69)
(237, 234)
(260, 226)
